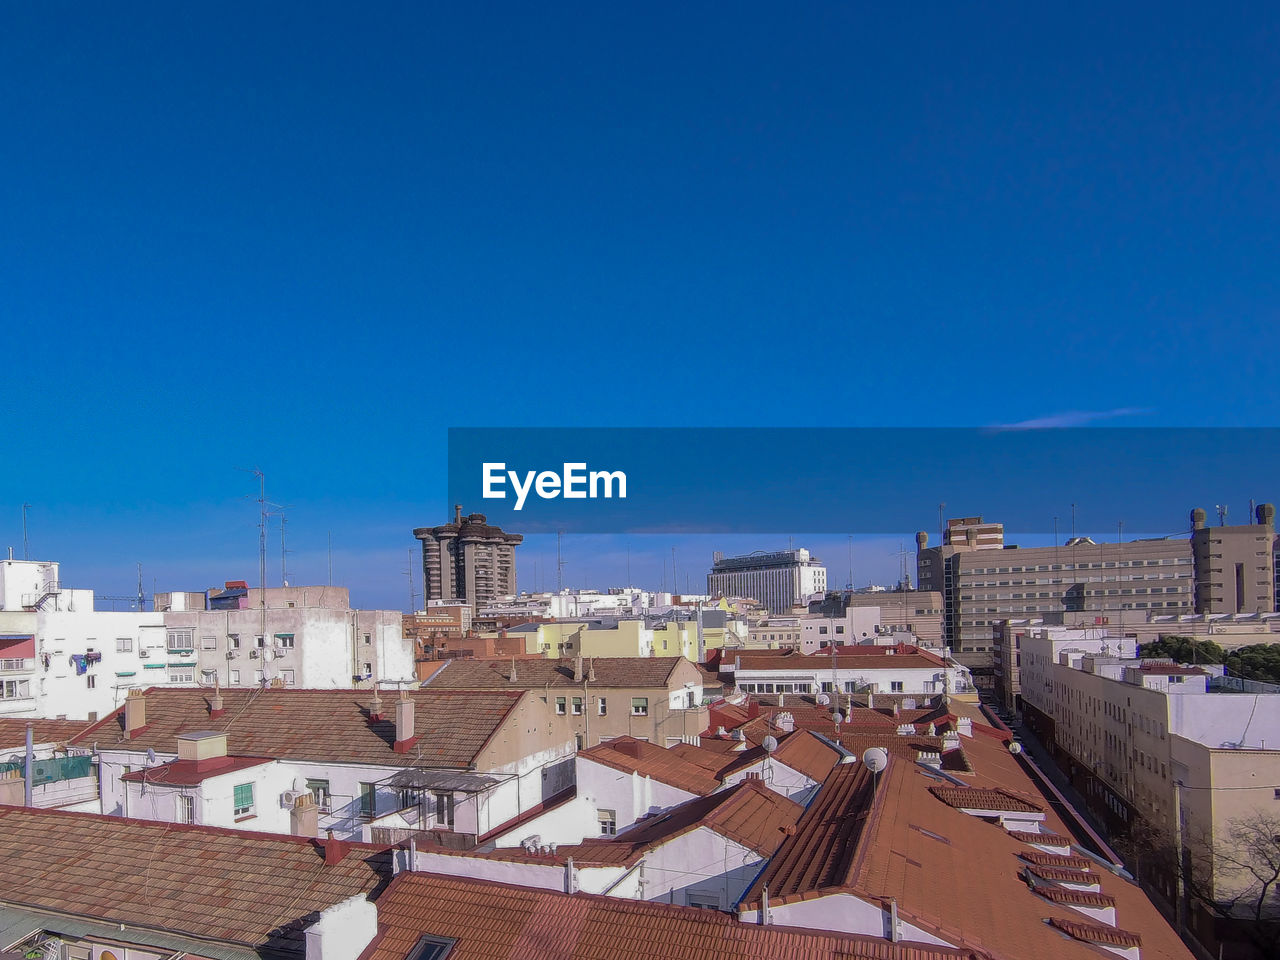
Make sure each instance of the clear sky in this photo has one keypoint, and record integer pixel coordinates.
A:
(311, 237)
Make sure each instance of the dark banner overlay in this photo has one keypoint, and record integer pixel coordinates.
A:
(857, 480)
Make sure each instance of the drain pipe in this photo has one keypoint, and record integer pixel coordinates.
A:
(28, 769)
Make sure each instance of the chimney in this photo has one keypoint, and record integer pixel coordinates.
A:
(577, 669)
(215, 705)
(343, 931)
(591, 671)
(457, 513)
(753, 709)
(204, 748)
(375, 706)
(304, 818)
(335, 850)
(785, 722)
(405, 738)
(135, 712)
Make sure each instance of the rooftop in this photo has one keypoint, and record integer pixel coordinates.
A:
(492, 921)
(332, 726)
(639, 756)
(495, 674)
(13, 731)
(188, 773)
(860, 657)
(231, 886)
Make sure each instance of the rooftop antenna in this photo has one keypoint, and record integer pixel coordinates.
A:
(559, 561)
(628, 565)
(331, 558)
(262, 544)
(26, 543)
(942, 527)
(1222, 514)
(675, 582)
(409, 571)
(142, 598)
(849, 585)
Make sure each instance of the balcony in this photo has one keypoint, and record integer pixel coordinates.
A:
(17, 665)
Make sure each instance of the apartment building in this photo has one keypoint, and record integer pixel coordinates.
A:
(659, 699)
(780, 580)
(1235, 565)
(468, 560)
(983, 582)
(304, 636)
(846, 669)
(1167, 746)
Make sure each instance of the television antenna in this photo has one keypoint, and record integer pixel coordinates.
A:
(1222, 514)
(26, 543)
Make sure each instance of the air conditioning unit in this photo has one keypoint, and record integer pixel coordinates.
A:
(290, 797)
(253, 654)
(231, 654)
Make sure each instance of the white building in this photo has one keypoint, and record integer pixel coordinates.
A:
(780, 580)
(854, 669)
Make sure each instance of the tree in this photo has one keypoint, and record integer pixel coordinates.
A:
(1183, 650)
(1261, 661)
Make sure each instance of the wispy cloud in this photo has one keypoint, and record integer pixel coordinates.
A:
(1073, 418)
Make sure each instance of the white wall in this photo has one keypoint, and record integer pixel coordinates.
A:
(65, 632)
(630, 795)
(842, 913)
(700, 862)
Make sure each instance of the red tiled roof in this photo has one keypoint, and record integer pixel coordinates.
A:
(13, 731)
(495, 673)
(187, 773)
(1043, 859)
(807, 753)
(1096, 933)
(227, 885)
(452, 727)
(1083, 898)
(1044, 839)
(1063, 874)
(1171, 669)
(492, 921)
(822, 851)
(639, 756)
(971, 798)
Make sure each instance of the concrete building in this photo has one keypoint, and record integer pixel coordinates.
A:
(984, 582)
(781, 580)
(299, 636)
(853, 669)
(468, 560)
(658, 699)
(1173, 748)
(1235, 565)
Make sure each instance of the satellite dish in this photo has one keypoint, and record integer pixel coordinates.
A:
(876, 758)
(838, 718)
(770, 744)
(823, 700)
(151, 755)
(1015, 748)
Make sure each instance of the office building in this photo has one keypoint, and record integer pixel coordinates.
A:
(780, 580)
(1235, 565)
(468, 560)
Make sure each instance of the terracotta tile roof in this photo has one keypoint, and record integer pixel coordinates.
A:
(1063, 875)
(188, 773)
(1083, 898)
(807, 753)
(1096, 933)
(1043, 859)
(494, 674)
(907, 746)
(822, 852)
(1171, 669)
(492, 921)
(1045, 839)
(452, 727)
(13, 731)
(225, 885)
(970, 798)
(639, 756)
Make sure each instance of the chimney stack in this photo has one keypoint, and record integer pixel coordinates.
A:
(304, 818)
(591, 671)
(405, 738)
(375, 706)
(457, 513)
(335, 850)
(577, 669)
(135, 712)
(216, 708)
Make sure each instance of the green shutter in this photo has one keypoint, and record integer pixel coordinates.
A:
(242, 797)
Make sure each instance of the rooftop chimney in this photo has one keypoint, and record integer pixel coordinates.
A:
(304, 817)
(457, 513)
(375, 706)
(335, 850)
(405, 738)
(591, 671)
(215, 704)
(202, 746)
(577, 669)
(135, 712)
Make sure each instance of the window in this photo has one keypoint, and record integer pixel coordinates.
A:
(602, 707)
(368, 669)
(319, 790)
(287, 676)
(186, 809)
(839, 629)
(124, 645)
(285, 640)
(233, 641)
(258, 676)
(444, 810)
(260, 642)
(368, 799)
(579, 741)
(577, 706)
(182, 675)
(208, 643)
(368, 639)
(704, 901)
(639, 706)
(234, 679)
(242, 800)
(560, 702)
(822, 630)
(410, 797)
(180, 640)
(608, 822)
(91, 681)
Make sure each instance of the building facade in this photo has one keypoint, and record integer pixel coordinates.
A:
(1235, 565)
(468, 560)
(780, 580)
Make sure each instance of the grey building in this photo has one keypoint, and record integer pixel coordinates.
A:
(780, 580)
(1235, 565)
(468, 560)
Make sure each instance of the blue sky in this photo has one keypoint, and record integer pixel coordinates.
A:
(311, 238)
